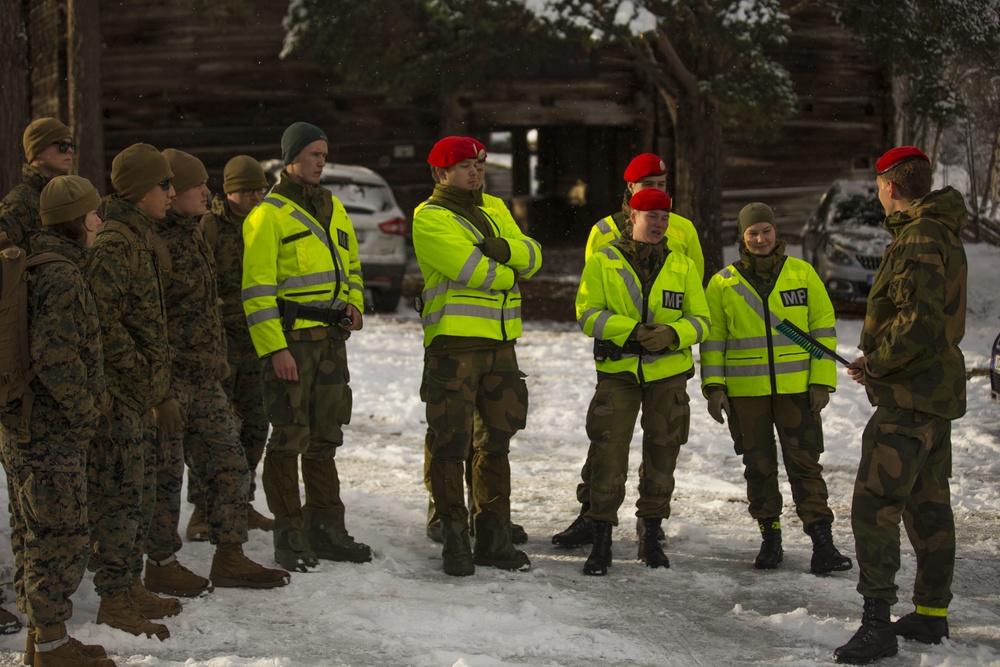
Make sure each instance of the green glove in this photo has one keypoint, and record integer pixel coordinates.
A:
(819, 396)
(655, 337)
(718, 403)
(169, 421)
(496, 249)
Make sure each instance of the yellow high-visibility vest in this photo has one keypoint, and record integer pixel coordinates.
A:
(288, 255)
(746, 354)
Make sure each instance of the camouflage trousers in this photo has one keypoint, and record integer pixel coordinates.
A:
(753, 421)
(306, 417)
(47, 483)
(456, 387)
(115, 485)
(210, 446)
(904, 472)
(243, 389)
(153, 477)
(666, 416)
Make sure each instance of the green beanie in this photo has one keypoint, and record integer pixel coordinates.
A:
(189, 171)
(296, 137)
(137, 169)
(754, 213)
(67, 198)
(243, 173)
(41, 134)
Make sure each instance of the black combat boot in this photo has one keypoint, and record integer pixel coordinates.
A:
(650, 549)
(599, 559)
(660, 535)
(922, 628)
(825, 558)
(873, 640)
(770, 548)
(580, 532)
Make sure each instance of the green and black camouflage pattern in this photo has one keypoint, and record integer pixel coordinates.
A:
(131, 309)
(916, 310)
(20, 213)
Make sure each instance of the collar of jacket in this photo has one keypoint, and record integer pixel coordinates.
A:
(126, 212)
(945, 206)
(315, 199)
(176, 221)
(767, 265)
(31, 176)
(463, 202)
(46, 240)
(646, 259)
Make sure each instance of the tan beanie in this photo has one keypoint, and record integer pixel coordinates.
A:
(41, 134)
(243, 173)
(67, 198)
(137, 169)
(189, 171)
(754, 213)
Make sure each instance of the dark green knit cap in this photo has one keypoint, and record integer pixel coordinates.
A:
(296, 137)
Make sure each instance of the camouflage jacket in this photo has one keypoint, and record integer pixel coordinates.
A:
(194, 323)
(19, 210)
(65, 342)
(228, 252)
(131, 308)
(916, 310)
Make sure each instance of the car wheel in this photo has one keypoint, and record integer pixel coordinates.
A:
(385, 301)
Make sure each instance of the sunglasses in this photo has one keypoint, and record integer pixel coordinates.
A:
(165, 184)
(65, 146)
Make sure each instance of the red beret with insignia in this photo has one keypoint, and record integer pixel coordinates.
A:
(644, 165)
(650, 199)
(480, 148)
(452, 150)
(898, 155)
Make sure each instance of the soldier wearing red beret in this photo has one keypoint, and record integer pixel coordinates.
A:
(914, 373)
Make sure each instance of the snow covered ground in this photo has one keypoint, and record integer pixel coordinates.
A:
(710, 608)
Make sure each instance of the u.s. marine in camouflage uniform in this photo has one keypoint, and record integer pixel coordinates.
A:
(244, 184)
(209, 438)
(125, 278)
(47, 472)
(914, 373)
(48, 150)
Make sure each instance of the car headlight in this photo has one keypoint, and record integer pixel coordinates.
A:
(837, 254)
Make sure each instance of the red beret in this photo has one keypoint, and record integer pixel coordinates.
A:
(898, 155)
(650, 199)
(452, 150)
(644, 165)
(480, 148)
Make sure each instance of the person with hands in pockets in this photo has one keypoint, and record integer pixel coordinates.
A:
(645, 307)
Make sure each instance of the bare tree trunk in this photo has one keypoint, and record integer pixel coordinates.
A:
(699, 177)
(83, 65)
(15, 110)
(936, 151)
(993, 180)
(45, 30)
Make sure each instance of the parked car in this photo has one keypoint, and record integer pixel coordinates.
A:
(379, 223)
(843, 239)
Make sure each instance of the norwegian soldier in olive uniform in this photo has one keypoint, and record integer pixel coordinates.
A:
(48, 151)
(303, 296)
(48, 468)
(471, 261)
(645, 307)
(124, 276)
(244, 185)
(914, 373)
(209, 437)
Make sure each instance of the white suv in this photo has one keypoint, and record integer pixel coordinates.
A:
(379, 224)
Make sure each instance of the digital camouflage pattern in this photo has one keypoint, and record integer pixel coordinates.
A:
(904, 471)
(131, 309)
(19, 210)
(243, 384)
(754, 419)
(47, 476)
(666, 415)
(916, 310)
(210, 441)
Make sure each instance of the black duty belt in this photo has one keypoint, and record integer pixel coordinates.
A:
(292, 310)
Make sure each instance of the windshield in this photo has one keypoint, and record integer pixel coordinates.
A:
(858, 210)
(361, 197)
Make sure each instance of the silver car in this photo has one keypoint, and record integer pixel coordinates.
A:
(379, 223)
(843, 239)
